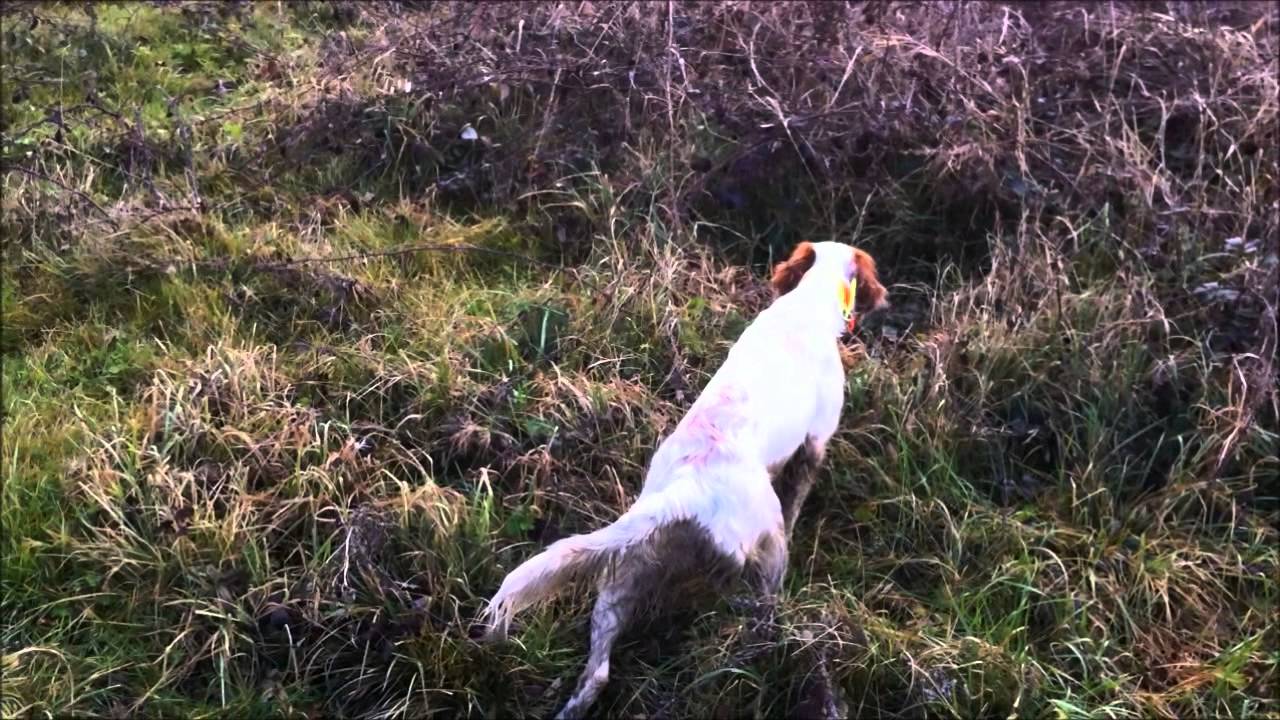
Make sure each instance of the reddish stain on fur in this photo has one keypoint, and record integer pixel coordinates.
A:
(702, 427)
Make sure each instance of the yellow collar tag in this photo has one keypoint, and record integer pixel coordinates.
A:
(847, 293)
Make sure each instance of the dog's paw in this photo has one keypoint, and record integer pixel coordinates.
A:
(761, 628)
(762, 623)
(762, 608)
(746, 604)
(484, 632)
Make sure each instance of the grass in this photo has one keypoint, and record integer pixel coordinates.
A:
(242, 480)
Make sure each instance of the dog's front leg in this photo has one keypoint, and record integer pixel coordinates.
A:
(795, 480)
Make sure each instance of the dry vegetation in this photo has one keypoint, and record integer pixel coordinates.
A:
(240, 478)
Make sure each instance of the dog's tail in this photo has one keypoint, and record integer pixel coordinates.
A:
(543, 575)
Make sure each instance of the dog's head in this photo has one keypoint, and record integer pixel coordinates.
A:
(855, 268)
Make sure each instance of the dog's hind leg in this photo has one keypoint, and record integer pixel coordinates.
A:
(614, 609)
(771, 563)
(767, 568)
(795, 480)
(764, 573)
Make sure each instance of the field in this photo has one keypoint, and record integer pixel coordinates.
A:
(320, 317)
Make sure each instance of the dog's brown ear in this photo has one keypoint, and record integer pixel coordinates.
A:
(871, 294)
(786, 275)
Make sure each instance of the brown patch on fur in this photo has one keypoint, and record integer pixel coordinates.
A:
(871, 294)
(786, 275)
(680, 564)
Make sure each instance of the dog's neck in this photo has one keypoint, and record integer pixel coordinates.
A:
(815, 300)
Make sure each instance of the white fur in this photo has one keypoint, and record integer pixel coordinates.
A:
(781, 387)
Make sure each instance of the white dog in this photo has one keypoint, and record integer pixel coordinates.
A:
(709, 496)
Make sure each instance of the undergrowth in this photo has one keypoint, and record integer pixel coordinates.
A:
(244, 478)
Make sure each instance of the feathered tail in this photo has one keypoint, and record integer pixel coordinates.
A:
(543, 575)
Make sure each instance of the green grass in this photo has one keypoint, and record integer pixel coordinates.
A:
(245, 487)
